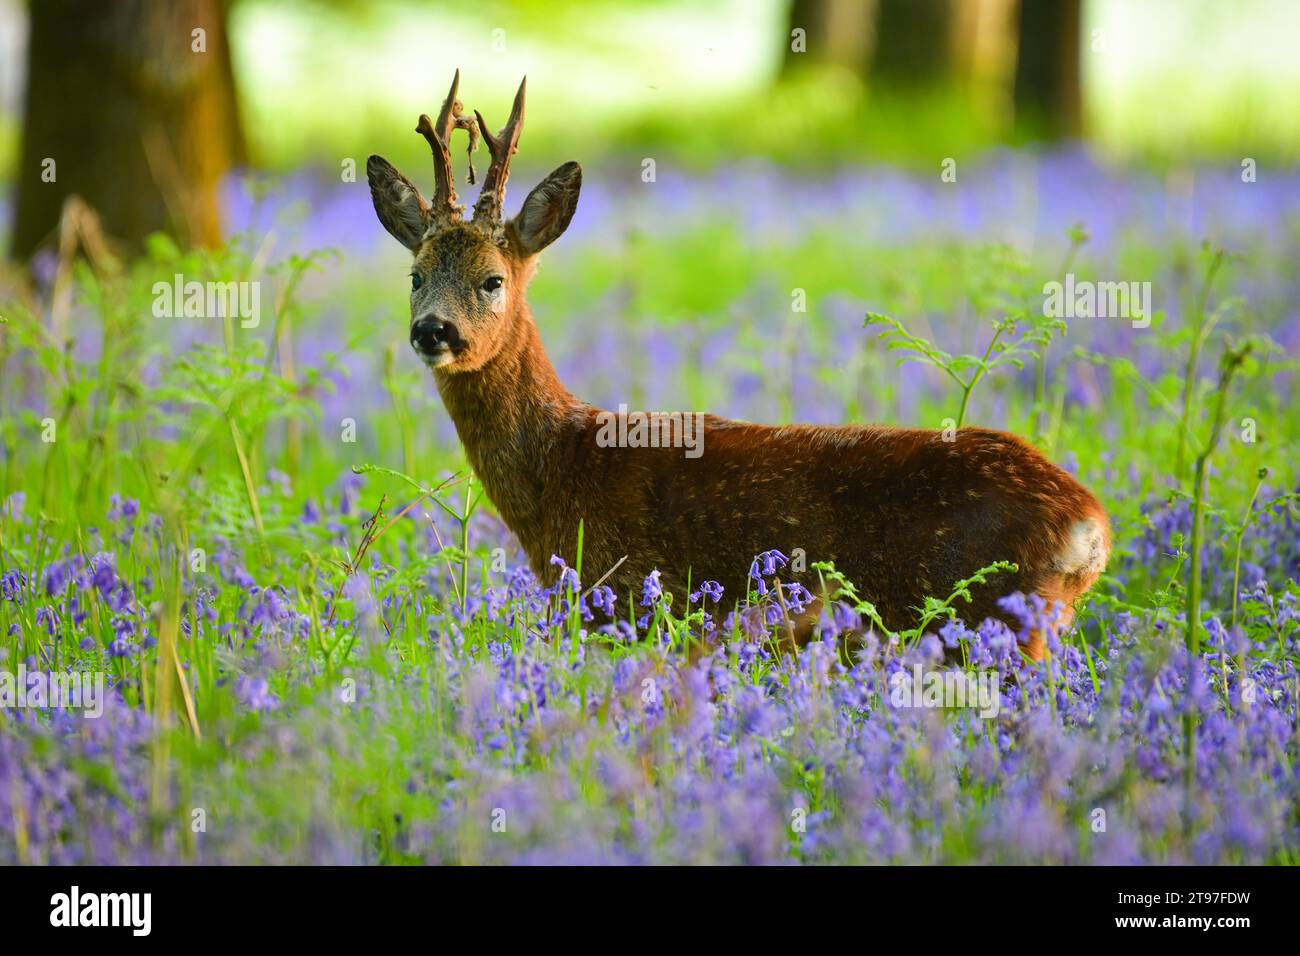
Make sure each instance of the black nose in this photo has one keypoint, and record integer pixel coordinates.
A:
(430, 333)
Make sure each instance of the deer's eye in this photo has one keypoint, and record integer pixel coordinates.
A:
(491, 284)
(416, 281)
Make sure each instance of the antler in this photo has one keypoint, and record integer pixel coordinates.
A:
(450, 118)
(490, 206)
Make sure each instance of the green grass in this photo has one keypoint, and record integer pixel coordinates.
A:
(378, 750)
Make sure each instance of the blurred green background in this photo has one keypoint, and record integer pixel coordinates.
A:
(117, 94)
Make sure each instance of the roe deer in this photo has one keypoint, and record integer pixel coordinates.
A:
(900, 511)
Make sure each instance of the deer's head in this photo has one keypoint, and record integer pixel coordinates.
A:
(469, 278)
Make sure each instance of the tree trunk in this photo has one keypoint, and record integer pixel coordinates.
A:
(130, 110)
(1047, 96)
(913, 43)
(835, 32)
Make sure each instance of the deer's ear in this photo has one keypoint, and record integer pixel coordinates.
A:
(398, 203)
(547, 210)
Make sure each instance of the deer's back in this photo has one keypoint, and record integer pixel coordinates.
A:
(902, 512)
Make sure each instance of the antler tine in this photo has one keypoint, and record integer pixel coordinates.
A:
(450, 118)
(490, 206)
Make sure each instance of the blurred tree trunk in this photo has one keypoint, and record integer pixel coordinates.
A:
(913, 43)
(1047, 94)
(835, 32)
(137, 120)
(234, 121)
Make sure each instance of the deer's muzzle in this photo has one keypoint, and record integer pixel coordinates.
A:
(432, 336)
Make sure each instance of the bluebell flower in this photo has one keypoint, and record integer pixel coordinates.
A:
(651, 590)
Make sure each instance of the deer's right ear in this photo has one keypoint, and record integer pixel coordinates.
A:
(398, 203)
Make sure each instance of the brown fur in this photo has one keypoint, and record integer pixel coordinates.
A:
(901, 512)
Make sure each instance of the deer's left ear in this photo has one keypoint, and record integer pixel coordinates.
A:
(398, 203)
(547, 210)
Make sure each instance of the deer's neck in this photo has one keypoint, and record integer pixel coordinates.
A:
(509, 415)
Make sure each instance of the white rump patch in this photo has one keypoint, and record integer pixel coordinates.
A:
(1085, 550)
